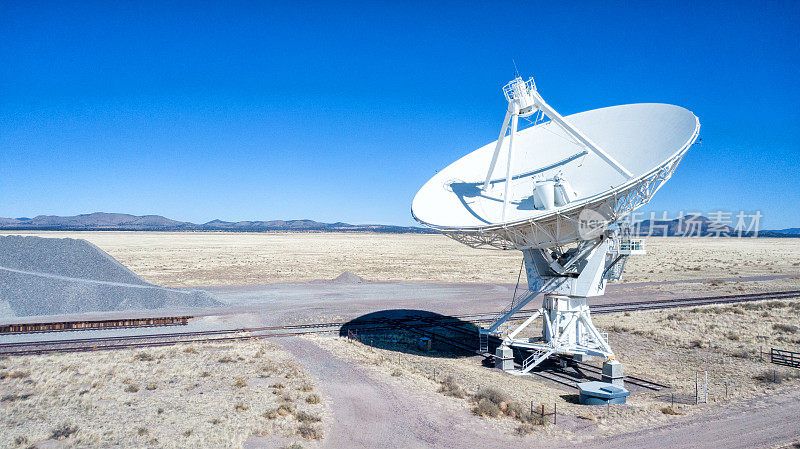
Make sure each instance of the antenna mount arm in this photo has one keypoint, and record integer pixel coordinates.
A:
(577, 134)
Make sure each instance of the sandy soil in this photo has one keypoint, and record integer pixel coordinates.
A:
(88, 391)
(666, 346)
(209, 258)
(203, 396)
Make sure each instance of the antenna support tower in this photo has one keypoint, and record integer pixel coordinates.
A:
(561, 207)
(565, 278)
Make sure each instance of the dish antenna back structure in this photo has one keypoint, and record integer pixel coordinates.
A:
(555, 191)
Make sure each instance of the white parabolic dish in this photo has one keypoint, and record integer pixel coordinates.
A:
(648, 139)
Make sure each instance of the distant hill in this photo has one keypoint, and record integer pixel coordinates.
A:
(700, 226)
(693, 225)
(794, 232)
(101, 221)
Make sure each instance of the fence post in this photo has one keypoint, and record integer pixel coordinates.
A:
(555, 412)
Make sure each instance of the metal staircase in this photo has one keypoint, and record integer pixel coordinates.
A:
(537, 357)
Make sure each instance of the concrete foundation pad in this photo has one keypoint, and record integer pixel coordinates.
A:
(504, 358)
(612, 373)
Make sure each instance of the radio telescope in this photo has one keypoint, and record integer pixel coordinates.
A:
(556, 191)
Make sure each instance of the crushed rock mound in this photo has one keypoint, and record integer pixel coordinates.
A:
(48, 276)
(348, 278)
(71, 258)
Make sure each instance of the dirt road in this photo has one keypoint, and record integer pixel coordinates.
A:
(770, 421)
(368, 413)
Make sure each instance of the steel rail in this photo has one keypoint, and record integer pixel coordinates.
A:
(89, 344)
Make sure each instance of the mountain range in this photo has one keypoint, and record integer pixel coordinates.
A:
(100, 221)
(700, 226)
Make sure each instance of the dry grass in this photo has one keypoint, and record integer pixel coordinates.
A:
(493, 402)
(310, 431)
(143, 357)
(671, 411)
(668, 346)
(725, 341)
(97, 399)
(785, 328)
(195, 258)
(63, 431)
(450, 387)
(305, 417)
(487, 408)
(776, 376)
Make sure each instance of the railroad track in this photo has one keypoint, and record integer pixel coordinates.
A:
(407, 322)
(691, 302)
(559, 375)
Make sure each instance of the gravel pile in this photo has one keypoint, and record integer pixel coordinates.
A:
(64, 257)
(43, 276)
(348, 278)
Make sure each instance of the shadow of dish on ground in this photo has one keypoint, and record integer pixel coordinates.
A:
(405, 330)
(401, 330)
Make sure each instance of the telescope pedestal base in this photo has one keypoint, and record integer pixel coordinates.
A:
(567, 329)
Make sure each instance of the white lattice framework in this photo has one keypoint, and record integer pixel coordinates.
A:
(562, 227)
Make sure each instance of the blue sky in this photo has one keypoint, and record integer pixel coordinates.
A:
(337, 112)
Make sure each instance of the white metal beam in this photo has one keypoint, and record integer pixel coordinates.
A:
(576, 133)
(514, 121)
(503, 131)
(525, 324)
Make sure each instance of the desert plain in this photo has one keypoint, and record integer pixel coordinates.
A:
(198, 259)
(385, 391)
